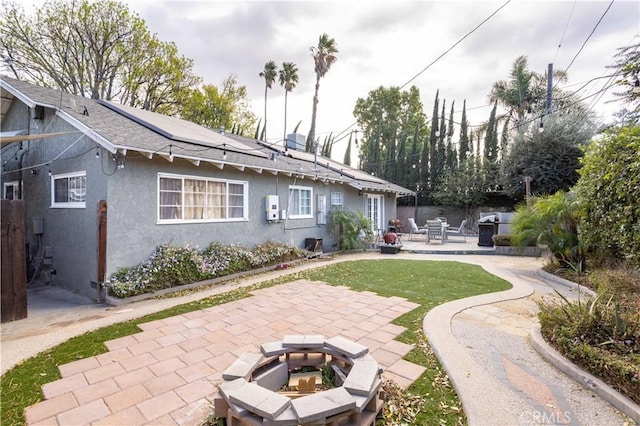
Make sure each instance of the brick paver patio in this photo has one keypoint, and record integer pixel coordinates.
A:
(169, 373)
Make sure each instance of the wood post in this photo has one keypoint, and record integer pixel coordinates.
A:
(14, 268)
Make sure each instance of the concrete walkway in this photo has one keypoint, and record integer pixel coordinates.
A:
(168, 373)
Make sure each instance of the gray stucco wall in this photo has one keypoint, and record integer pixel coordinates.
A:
(71, 234)
(133, 229)
(69, 239)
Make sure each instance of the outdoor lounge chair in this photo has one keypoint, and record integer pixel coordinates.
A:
(435, 229)
(459, 231)
(413, 229)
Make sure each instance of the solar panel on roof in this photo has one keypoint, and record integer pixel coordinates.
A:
(180, 130)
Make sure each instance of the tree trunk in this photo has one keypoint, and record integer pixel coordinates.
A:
(312, 131)
(285, 119)
(265, 112)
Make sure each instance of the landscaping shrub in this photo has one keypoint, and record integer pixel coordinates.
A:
(352, 227)
(602, 334)
(272, 252)
(170, 266)
(552, 221)
(609, 188)
(502, 240)
(226, 259)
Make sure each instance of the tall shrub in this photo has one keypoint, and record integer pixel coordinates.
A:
(609, 187)
(350, 226)
(551, 220)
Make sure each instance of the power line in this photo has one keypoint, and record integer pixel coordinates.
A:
(457, 43)
(565, 30)
(589, 36)
(443, 54)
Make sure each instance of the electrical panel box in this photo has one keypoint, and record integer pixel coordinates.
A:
(38, 225)
(283, 214)
(273, 209)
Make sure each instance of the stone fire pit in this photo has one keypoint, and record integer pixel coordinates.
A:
(251, 392)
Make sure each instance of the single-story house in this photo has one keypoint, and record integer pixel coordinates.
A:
(103, 184)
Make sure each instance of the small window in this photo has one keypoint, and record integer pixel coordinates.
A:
(196, 199)
(300, 202)
(337, 201)
(11, 191)
(69, 190)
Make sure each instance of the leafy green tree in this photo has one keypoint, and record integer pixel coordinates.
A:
(550, 158)
(464, 187)
(269, 73)
(221, 108)
(609, 189)
(161, 83)
(95, 49)
(324, 55)
(384, 116)
(627, 66)
(288, 76)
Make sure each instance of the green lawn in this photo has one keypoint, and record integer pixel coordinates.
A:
(430, 400)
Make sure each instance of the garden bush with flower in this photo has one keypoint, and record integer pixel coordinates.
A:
(170, 266)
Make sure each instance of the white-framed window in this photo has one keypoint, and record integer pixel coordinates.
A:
(300, 202)
(337, 201)
(69, 190)
(198, 199)
(11, 190)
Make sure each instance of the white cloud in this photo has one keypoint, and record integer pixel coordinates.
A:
(387, 43)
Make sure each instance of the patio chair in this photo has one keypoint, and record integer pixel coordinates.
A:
(459, 231)
(413, 229)
(435, 229)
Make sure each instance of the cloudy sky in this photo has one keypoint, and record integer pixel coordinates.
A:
(389, 43)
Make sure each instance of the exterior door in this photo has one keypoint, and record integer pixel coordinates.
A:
(373, 211)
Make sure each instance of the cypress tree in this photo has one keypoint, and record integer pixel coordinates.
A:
(491, 137)
(433, 142)
(347, 153)
(451, 155)
(504, 142)
(401, 161)
(440, 152)
(463, 145)
(415, 160)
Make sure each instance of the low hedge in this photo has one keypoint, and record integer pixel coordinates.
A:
(170, 266)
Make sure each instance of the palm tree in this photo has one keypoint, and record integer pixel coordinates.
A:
(269, 74)
(324, 55)
(523, 91)
(288, 79)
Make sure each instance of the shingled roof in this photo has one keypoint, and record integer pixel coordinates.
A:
(120, 128)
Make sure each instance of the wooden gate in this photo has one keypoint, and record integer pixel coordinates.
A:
(13, 286)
